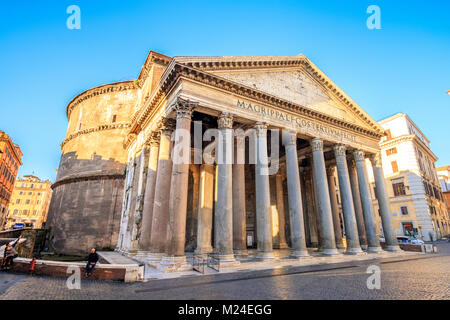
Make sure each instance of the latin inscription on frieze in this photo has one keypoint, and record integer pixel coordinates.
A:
(301, 123)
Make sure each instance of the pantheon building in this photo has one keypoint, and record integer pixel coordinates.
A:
(219, 156)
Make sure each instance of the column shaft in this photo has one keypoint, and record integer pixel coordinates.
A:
(357, 204)
(205, 209)
(239, 211)
(281, 212)
(383, 203)
(298, 238)
(179, 182)
(334, 207)
(328, 243)
(351, 228)
(366, 201)
(311, 209)
(149, 197)
(223, 222)
(263, 214)
(158, 235)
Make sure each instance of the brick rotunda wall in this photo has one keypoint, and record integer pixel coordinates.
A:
(87, 195)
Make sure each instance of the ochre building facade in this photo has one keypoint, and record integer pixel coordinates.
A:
(218, 155)
(10, 161)
(29, 204)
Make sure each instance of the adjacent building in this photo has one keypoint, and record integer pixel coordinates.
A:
(136, 171)
(444, 179)
(10, 161)
(29, 204)
(416, 200)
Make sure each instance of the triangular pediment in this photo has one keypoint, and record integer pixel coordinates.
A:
(294, 79)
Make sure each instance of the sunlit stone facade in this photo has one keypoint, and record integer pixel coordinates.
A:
(225, 154)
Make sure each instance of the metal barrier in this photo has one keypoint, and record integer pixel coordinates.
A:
(198, 264)
(214, 263)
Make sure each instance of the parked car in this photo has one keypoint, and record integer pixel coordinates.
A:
(407, 239)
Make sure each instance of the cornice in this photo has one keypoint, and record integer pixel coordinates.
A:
(87, 178)
(236, 63)
(407, 137)
(152, 58)
(175, 71)
(95, 129)
(106, 88)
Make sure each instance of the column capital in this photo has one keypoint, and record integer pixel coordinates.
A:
(340, 150)
(154, 139)
(316, 144)
(359, 155)
(184, 108)
(289, 138)
(225, 120)
(261, 129)
(166, 125)
(331, 170)
(375, 158)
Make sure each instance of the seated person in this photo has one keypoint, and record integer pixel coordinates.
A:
(9, 255)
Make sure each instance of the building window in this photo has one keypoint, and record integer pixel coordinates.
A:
(114, 118)
(399, 189)
(34, 212)
(388, 134)
(28, 201)
(404, 211)
(79, 126)
(20, 193)
(391, 151)
(25, 212)
(432, 210)
(394, 166)
(17, 201)
(15, 212)
(30, 193)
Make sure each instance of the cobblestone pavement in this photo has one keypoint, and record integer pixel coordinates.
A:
(424, 277)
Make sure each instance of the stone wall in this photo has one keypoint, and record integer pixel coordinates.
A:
(87, 196)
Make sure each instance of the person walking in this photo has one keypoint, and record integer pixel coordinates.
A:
(92, 261)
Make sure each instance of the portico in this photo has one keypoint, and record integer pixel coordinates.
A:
(248, 152)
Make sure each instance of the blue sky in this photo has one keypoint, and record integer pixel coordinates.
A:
(403, 67)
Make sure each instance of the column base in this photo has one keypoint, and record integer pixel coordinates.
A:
(130, 253)
(299, 254)
(374, 250)
(240, 252)
(226, 260)
(141, 255)
(314, 245)
(329, 252)
(354, 251)
(393, 248)
(282, 245)
(153, 257)
(203, 251)
(174, 264)
(364, 246)
(265, 255)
